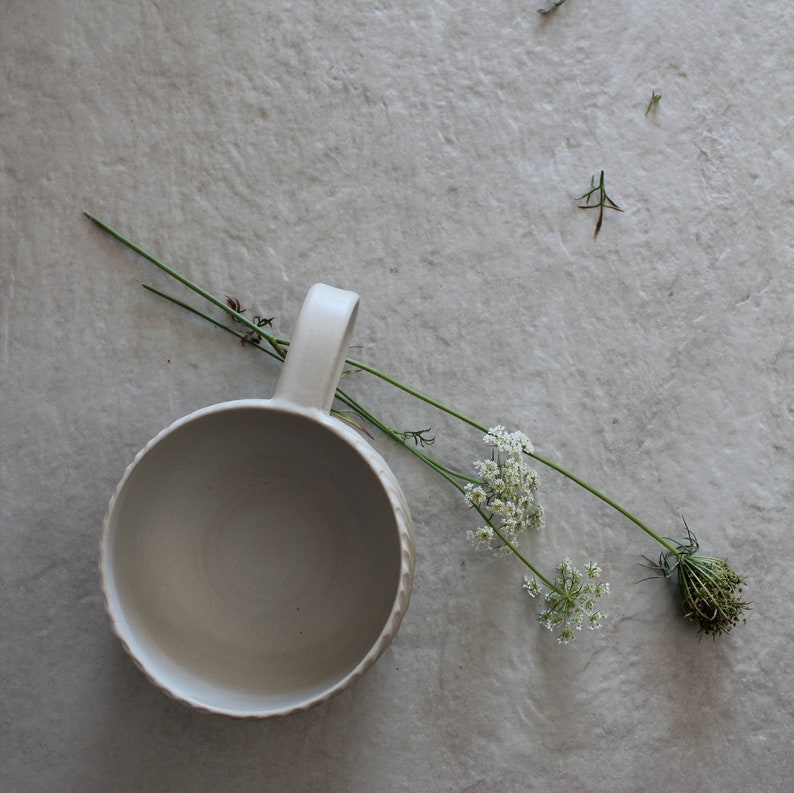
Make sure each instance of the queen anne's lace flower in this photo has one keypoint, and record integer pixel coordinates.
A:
(571, 602)
(482, 537)
(505, 494)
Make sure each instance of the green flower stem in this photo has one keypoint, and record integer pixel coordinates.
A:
(222, 304)
(448, 473)
(549, 463)
(607, 500)
(418, 394)
(211, 320)
(549, 584)
(279, 351)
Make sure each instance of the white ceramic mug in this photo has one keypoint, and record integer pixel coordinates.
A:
(257, 556)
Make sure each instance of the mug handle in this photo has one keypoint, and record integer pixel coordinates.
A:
(318, 349)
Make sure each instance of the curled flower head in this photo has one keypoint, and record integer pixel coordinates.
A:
(504, 494)
(709, 588)
(571, 602)
(710, 592)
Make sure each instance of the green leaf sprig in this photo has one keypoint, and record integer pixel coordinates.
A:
(604, 201)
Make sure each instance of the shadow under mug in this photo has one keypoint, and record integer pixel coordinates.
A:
(257, 556)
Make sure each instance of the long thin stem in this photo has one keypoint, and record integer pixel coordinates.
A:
(222, 304)
(418, 394)
(607, 500)
(208, 318)
(543, 460)
(279, 348)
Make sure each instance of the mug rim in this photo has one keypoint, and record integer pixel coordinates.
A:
(115, 605)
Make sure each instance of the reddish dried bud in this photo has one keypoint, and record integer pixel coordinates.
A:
(234, 304)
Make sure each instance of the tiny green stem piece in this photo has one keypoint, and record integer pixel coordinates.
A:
(553, 7)
(655, 97)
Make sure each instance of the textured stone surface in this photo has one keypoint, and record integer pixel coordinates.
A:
(426, 155)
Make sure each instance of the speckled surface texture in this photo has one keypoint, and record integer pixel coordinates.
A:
(428, 156)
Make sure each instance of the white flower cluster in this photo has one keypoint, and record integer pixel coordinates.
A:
(572, 601)
(505, 496)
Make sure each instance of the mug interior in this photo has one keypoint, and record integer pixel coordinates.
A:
(252, 558)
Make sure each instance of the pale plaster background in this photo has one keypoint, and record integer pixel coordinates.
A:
(428, 155)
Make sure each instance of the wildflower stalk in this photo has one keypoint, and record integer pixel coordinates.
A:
(418, 394)
(358, 408)
(277, 344)
(708, 587)
(607, 500)
(534, 455)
